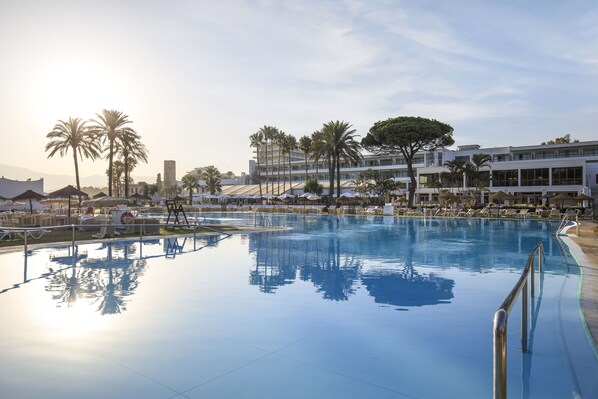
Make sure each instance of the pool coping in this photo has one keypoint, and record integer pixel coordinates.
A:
(584, 248)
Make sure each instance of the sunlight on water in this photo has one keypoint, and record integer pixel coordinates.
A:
(350, 307)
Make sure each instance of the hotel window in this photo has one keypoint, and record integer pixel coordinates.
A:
(568, 153)
(483, 178)
(429, 180)
(544, 154)
(504, 178)
(523, 156)
(418, 159)
(567, 176)
(534, 177)
(386, 162)
(464, 158)
(590, 152)
(502, 157)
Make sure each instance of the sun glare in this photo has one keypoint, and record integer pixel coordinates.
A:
(78, 320)
(73, 90)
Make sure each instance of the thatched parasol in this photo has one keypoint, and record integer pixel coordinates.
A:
(67, 192)
(29, 195)
(499, 195)
(562, 197)
(583, 197)
(99, 195)
(106, 201)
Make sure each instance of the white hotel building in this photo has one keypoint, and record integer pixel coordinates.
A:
(531, 173)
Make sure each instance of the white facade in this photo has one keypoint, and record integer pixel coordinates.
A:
(531, 172)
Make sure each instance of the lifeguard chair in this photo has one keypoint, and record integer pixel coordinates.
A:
(175, 210)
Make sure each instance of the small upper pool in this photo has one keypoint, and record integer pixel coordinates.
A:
(350, 307)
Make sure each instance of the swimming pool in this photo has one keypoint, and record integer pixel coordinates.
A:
(351, 307)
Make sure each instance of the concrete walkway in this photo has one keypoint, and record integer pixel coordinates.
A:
(588, 242)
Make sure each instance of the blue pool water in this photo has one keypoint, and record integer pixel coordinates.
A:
(351, 307)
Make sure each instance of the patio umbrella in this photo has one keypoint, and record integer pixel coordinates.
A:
(100, 195)
(67, 192)
(562, 197)
(583, 197)
(106, 201)
(499, 195)
(29, 195)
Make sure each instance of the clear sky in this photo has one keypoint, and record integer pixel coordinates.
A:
(198, 77)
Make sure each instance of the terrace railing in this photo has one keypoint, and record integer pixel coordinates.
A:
(502, 315)
(32, 233)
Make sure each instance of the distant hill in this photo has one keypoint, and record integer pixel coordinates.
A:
(54, 182)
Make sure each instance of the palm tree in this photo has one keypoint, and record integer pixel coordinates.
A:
(288, 145)
(110, 124)
(480, 161)
(316, 137)
(257, 140)
(130, 149)
(118, 171)
(456, 169)
(337, 142)
(190, 182)
(75, 135)
(268, 133)
(346, 148)
(279, 138)
(305, 147)
(211, 175)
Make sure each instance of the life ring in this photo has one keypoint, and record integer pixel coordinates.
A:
(126, 217)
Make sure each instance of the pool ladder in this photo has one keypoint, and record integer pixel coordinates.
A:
(501, 317)
(566, 218)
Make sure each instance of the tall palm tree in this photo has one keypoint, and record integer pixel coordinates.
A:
(211, 175)
(481, 160)
(338, 143)
(256, 141)
(316, 137)
(268, 133)
(118, 171)
(346, 148)
(288, 145)
(129, 148)
(305, 147)
(456, 170)
(322, 148)
(191, 182)
(109, 125)
(75, 135)
(279, 138)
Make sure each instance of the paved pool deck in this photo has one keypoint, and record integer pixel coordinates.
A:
(587, 241)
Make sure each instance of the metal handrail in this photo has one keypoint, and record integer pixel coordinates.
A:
(564, 221)
(501, 317)
(73, 227)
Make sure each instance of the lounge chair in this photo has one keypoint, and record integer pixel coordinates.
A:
(105, 231)
(5, 233)
(466, 213)
(509, 212)
(523, 213)
(554, 213)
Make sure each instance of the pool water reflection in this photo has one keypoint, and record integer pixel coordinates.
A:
(335, 307)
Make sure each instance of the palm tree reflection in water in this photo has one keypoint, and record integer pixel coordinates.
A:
(108, 280)
(336, 267)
